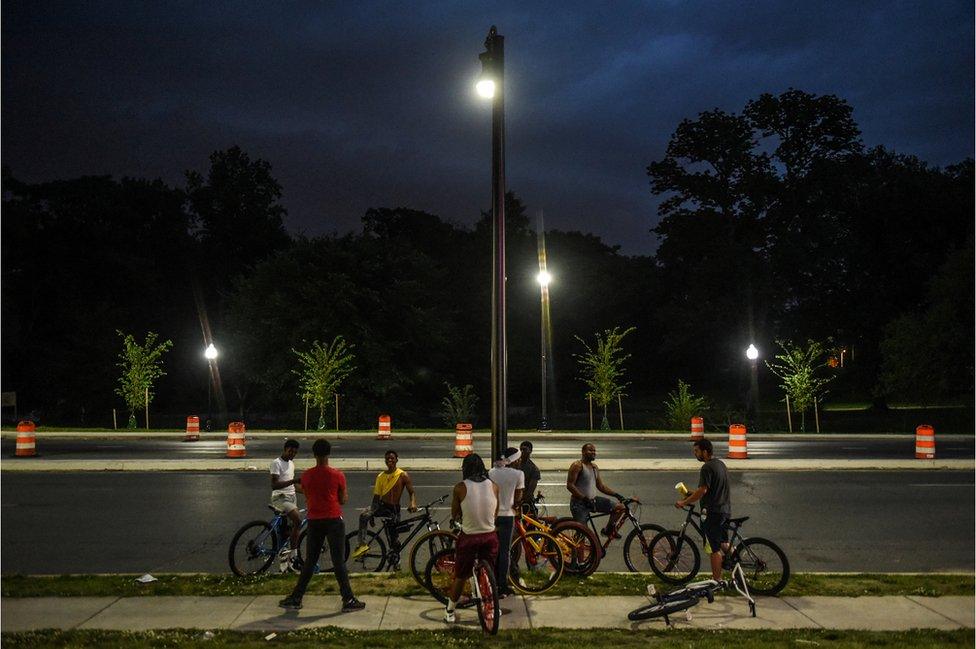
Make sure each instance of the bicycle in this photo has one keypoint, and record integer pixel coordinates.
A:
(378, 556)
(535, 560)
(481, 588)
(256, 544)
(580, 547)
(637, 545)
(683, 599)
(676, 559)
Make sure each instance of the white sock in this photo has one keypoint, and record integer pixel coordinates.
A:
(450, 605)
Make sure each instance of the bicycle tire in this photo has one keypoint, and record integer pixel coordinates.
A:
(325, 557)
(375, 559)
(675, 558)
(439, 575)
(583, 549)
(637, 547)
(763, 575)
(488, 607)
(426, 546)
(534, 571)
(261, 558)
(659, 609)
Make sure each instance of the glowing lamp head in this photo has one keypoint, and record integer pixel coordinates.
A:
(752, 353)
(543, 278)
(485, 88)
(211, 352)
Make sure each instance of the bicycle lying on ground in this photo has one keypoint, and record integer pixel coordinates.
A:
(256, 544)
(637, 545)
(667, 604)
(676, 558)
(481, 589)
(385, 554)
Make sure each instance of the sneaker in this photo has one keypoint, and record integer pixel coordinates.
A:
(290, 604)
(449, 616)
(360, 550)
(296, 565)
(352, 605)
(606, 531)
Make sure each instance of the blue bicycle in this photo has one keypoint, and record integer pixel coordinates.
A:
(256, 544)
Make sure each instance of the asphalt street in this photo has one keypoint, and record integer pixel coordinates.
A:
(885, 521)
(549, 448)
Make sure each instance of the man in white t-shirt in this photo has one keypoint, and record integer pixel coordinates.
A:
(511, 484)
(283, 498)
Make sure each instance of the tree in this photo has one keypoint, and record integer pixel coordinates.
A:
(459, 405)
(323, 369)
(601, 368)
(798, 368)
(141, 366)
(682, 405)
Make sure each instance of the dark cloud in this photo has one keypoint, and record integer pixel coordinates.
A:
(369, 104)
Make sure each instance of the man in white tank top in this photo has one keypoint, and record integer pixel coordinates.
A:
(475, 505)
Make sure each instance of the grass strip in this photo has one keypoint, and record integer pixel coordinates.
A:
(536, 638)
(402, 585)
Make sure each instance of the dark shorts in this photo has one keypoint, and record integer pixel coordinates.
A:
(713, 526)
(581, 508)
(470, 547)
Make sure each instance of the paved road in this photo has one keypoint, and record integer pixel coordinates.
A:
(651, 448)
(885, 521)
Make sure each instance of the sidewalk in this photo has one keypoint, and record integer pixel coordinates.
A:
(41, 464)
(261, 613)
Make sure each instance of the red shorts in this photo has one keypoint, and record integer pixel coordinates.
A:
(470, 547)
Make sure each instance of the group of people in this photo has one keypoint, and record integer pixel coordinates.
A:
(484, 505)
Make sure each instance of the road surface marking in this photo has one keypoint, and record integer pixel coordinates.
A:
(854, 448)
(935, 484)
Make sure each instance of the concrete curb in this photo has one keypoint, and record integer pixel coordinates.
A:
(454, 464)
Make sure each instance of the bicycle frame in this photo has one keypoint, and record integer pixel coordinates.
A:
(734, 540)
(425, 520)
(628, 515)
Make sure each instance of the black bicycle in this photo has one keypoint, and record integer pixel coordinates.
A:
(675, 557)
(666, 604)
(385, 545)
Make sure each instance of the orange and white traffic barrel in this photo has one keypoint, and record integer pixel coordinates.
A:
(26, 444)
(697, 428)
(462, 440)
(924, 442)
(738, 450)
(235, 439)
(385, 430)
(192, 429)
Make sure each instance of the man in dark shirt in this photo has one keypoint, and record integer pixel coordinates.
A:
(713, 492)
(325, 493)
(532, 475)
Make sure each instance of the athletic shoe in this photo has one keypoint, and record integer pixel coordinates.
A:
(352, 605)
(606, 531)
(296, 565)
(360, 550)
(449, 616)
(290, 604)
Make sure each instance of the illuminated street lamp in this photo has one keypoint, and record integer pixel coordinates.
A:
(211, 352)
(544, 278)
(492, 86)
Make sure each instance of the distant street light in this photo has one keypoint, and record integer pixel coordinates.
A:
(752, 400)
(492, 86)
(544, 278)
(210, 353)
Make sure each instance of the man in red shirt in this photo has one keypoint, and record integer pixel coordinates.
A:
(325, 493)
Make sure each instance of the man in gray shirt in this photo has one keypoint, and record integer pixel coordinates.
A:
(716, 504)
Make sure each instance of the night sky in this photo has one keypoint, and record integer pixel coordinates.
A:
(371, 104)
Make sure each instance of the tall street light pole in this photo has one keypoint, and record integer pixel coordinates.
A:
(492, 85)
(753, 401)
(544, 278)
(210, 353)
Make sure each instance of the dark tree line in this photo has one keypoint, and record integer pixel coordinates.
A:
(775, 223)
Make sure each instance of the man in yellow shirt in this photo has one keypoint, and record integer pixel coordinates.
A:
(387, 490)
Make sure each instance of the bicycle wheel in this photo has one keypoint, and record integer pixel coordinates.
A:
(252, 549)
(536, 563)
(766, 567)
(375, 558)
(488, 609)
(439, 574)
(637, 547)
(581, 550)
(659, 609)
(674, 559)
(427, 546)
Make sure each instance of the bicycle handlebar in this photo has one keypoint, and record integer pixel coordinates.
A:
(435, 502)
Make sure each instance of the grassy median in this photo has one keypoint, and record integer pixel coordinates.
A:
(536, 638)
(801, 584)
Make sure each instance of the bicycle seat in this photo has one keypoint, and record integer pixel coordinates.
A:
(736, 522)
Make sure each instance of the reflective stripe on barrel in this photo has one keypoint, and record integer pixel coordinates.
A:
(924, 442)
(697, 428)
(738, 448)
(462, 440)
